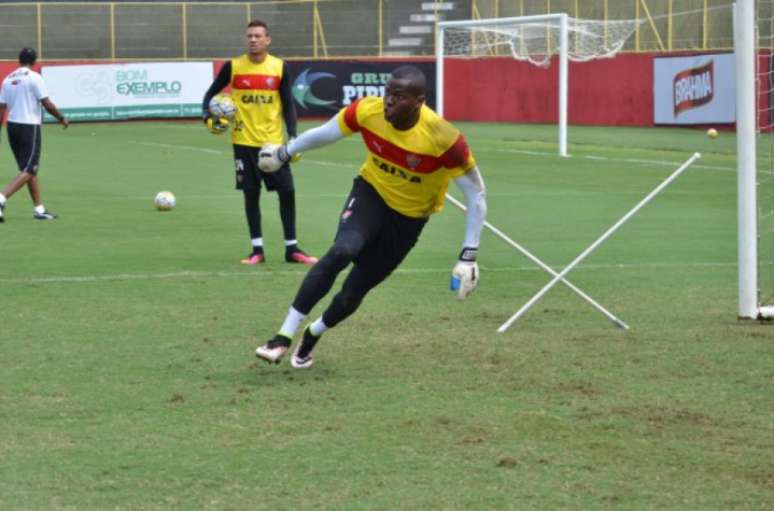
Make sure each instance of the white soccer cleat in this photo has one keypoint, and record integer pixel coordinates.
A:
(301, 363)
(274, 350)
(302, 355)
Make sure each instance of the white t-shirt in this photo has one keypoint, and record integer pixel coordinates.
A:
(22, 91)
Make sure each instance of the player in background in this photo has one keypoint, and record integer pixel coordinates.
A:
(261, 90)
(22, 93)
(412, 155)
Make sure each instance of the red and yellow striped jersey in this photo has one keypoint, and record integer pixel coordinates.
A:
(255, 91)
(410, 169)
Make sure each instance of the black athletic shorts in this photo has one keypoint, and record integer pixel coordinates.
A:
(25, 143)
(249, 176)
(389, 235)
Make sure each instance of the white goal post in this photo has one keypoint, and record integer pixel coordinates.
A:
(746, 134)
(534, 39)
(754, 55)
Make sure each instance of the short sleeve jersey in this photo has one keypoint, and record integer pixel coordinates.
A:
(22, 91)
(255, 91)
(410, 169)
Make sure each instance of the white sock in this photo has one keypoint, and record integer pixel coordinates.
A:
(257, 242)
(2, 199)
(318, 327)
(292, 323)
(40, 209)
(289, 243)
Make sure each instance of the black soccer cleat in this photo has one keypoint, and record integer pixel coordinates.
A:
(274, 350)
(294, 254)
(46, 215)
(302, 356)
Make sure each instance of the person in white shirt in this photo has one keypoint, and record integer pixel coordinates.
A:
(23, 93)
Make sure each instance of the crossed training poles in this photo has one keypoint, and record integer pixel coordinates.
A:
(560, 277)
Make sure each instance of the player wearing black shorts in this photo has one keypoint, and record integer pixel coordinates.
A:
(374, 238)
(24, 93)
(261, 90)
(412, 155)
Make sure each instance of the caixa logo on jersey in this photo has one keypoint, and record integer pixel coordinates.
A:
(135, 82)
(693, 87)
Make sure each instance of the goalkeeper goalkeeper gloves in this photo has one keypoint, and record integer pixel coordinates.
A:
(465, 275)
(216, 125)
(272, 157)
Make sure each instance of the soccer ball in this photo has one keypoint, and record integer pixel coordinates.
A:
(164, 201)
(712, 133)
(222, 106)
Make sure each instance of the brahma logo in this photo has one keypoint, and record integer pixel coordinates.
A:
(693, 87)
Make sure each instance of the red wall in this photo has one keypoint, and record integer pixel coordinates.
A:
(616, 91)
(602, 92)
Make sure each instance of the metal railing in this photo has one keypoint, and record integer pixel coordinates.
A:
(322, 28)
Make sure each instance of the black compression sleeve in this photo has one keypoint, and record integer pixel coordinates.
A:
(220, 83)
(288, 107)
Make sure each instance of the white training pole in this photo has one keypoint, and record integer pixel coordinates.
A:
(598, 242)
(616, 321)
(746, 128)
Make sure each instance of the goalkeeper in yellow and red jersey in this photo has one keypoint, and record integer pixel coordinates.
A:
(261, 90)
(412, 155)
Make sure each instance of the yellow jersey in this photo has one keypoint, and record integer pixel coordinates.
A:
(255, 91)
(409, 169)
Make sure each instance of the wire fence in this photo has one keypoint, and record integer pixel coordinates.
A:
(196, 30)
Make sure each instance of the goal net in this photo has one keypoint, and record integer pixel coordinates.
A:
(535, 39)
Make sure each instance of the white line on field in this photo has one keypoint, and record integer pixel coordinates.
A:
(638, 161)
(273, 272)
(177, 146)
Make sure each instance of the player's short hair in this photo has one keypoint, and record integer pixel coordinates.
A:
(413, 75)
(259, 23)
(27, 56)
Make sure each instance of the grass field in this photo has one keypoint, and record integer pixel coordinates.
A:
(127, 370)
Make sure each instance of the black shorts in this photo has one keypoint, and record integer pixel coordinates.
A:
(389, 236)
(249, 176)
(25, 141)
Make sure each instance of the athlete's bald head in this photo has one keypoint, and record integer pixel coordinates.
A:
(413, 78)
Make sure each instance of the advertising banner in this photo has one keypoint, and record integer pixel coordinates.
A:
(322, 88)
(106, 92)
(699, 89)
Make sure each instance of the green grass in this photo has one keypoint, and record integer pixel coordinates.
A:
(128, 380)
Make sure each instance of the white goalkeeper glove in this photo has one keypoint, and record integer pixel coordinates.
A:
(465, 275)
(272, 157)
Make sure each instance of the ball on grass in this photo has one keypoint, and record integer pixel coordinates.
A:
(164, 201)
(712, 133)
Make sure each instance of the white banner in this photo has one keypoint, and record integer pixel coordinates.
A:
(128, 91)
(694, 90)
